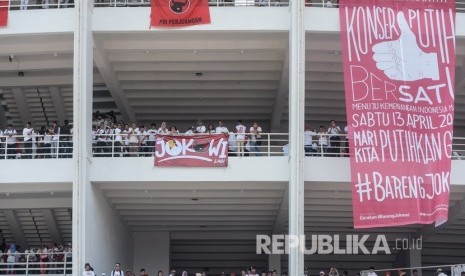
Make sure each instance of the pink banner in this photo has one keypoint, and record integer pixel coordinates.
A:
(192, 151)
(4, 13)
(399, 70)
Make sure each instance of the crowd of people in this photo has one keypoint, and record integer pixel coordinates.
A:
(111, 138)
(46, 259)
(47, 142)
(252, 271)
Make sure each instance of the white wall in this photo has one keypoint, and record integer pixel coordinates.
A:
(143, 169)
(43, 171)
(39, 21)
(152, 252)
(107, 239)
(222, 18)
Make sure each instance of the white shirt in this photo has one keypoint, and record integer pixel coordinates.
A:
(372, 274)
(189, 132)
(152, 133)
(240, 132)
(142, 137)
(27, 133)
(334, 131)
(222, 129)
(102, 137)
(163, 131)
(201, 129)
(323, 140)
(125, 135)
(88, 273)
(10, 140)
(55, 137)
(11, 256)
(47, 139)
(133, 135)
(117, 273)
(308, 137)
(252, 133)
(232, 142)
(118, 137)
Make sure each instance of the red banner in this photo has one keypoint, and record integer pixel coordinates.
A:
(3, 13)
(179, 13)
(399, 70)
(192, 151)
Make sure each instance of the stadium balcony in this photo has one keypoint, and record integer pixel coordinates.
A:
(234, 68)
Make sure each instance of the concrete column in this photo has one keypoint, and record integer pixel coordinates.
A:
(415, 260)
(152, 252)
(296, 126)
(82, 119)
(274, 262)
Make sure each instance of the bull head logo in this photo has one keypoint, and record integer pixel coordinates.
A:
(179, 6)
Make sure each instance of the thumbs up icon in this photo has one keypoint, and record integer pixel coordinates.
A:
(402, 59)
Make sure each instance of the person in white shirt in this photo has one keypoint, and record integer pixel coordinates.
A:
(117, 271)
(28, 132)
(88, 271)
(48, 136)
(253, 271)
(232, 144)
(118, 140)
(133, 140)
(10, 141)
(372, 272)
(152, 137)
(240, 138)
(11, 258)
(308, 141)
(190, 131)
(439, 272)
(102, 147)
(211, 129)
(221, 129)
(200, 127)
(163, 129)
(334, 139)
(55, 138)
(173, 130)
(323, 139)
(142, 134)
(255, 138)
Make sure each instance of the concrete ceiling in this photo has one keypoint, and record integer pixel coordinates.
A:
(180, 77)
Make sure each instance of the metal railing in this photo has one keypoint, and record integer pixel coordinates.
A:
(212, 3)
(38, 147)
(270, 144)
(120, 145)
(460, 4)
(57, 263)
(36, 4)
(59, 4)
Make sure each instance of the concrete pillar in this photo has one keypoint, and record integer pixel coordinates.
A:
(296, 126)
(82, 119)
(415, 260)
